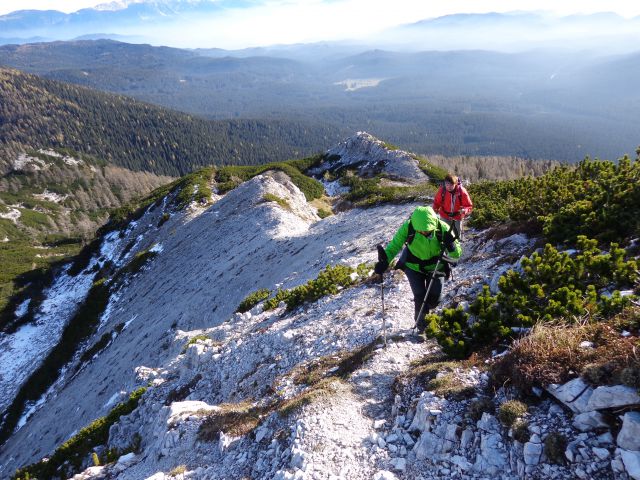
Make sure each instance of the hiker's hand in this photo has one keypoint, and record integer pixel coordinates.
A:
(381, 266)
(383, 262)
(449, 241)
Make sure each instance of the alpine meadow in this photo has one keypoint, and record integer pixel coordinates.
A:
(319, 240)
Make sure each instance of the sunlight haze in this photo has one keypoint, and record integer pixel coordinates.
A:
(317, 20)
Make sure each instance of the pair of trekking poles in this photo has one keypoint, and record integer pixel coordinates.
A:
(382, 256)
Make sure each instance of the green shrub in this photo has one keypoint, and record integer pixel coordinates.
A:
(553, 286)
(138, 261)
(322, 213)
(595, 198)
(229, 177)
(34, 219)
(329, 282)
(195, 187)
(194, 340)
(269, 197)
(253, 299)
(435, 173)
(510, 411)
(164, 219)
(70, 455)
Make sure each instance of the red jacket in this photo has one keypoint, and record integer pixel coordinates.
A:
(452, 206)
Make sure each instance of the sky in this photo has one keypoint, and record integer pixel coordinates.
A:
(294, 21)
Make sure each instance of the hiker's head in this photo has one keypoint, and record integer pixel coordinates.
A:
(424, 219)
(450, 181)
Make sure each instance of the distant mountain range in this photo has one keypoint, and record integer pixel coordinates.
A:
(148, 20)
(539, 104)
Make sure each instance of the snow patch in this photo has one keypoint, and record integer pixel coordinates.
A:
(23, 350)
(23, 308)
(334, 188)
(126, 325)
(156, 248)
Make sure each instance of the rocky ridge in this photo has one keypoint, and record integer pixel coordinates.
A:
(369, 156)
(181, 337)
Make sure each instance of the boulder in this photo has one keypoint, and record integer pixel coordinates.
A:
(631, 461)
(575, 394)
(532, 453)
(629, 436)
(588, 421)
(613, 397)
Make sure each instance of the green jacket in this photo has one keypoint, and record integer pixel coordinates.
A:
(423, 219)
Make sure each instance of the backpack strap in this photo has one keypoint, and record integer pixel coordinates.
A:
(422, 264)
(411, 235)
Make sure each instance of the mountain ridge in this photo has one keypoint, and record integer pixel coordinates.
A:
(289, 388)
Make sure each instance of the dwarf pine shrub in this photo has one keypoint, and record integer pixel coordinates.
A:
(551, 286)
(69, 456)
(253, 299)
(329, 282)
(555, 444)
(270, 197)
(596, 198)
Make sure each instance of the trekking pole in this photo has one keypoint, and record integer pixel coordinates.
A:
(384, 323)
(382, 255)
(433, 275)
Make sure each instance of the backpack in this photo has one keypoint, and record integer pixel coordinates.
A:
(407, 256)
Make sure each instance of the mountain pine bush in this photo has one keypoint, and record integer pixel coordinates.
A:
(329, 282)
(596, 198)
(551, 286)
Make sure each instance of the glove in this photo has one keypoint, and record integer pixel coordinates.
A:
(449, 241)
(382, 264)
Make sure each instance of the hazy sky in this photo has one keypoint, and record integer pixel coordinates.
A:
(417, 9)
(291, 21)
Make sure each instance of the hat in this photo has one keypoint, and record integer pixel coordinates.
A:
(424, 219)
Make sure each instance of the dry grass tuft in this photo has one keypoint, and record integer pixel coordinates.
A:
(553, 354)
(441, 377)
(340, 365)
(324, 389)
(510, 411)
(236, 419)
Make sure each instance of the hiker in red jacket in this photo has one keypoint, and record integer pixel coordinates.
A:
(452, 202)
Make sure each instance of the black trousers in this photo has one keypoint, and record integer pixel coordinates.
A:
(419, 282)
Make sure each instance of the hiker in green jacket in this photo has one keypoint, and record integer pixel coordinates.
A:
(427, 241)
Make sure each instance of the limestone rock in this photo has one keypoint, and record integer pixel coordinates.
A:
(575, 394)
(631, 462)
(587, 421)
(613, 397)
(629, 436)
